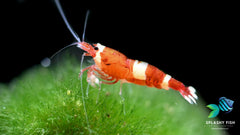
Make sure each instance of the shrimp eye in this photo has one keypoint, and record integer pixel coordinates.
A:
(96, 48)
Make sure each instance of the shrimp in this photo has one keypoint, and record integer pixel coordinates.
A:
(112, 66)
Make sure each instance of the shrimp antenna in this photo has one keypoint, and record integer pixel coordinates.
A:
(68, 26)
(73, 44)
(66, 21)
(47, 61)
(85, 25)
(70, 29)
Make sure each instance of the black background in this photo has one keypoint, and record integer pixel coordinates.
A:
(196, 43)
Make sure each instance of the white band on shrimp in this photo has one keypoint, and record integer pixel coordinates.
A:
(165, 82)
(139, 69)
(98, 54)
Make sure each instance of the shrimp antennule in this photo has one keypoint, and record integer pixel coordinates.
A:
(85, 25)
(79, 42)
(66, 21)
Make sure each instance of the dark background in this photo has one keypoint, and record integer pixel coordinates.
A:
(196, 43)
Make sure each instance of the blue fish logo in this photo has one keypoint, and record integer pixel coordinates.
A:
(225, 105)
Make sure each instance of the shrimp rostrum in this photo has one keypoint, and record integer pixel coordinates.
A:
(111, 66)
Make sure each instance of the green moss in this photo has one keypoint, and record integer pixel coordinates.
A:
(49, 101)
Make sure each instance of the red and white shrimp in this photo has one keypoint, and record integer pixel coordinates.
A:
(111, 66)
